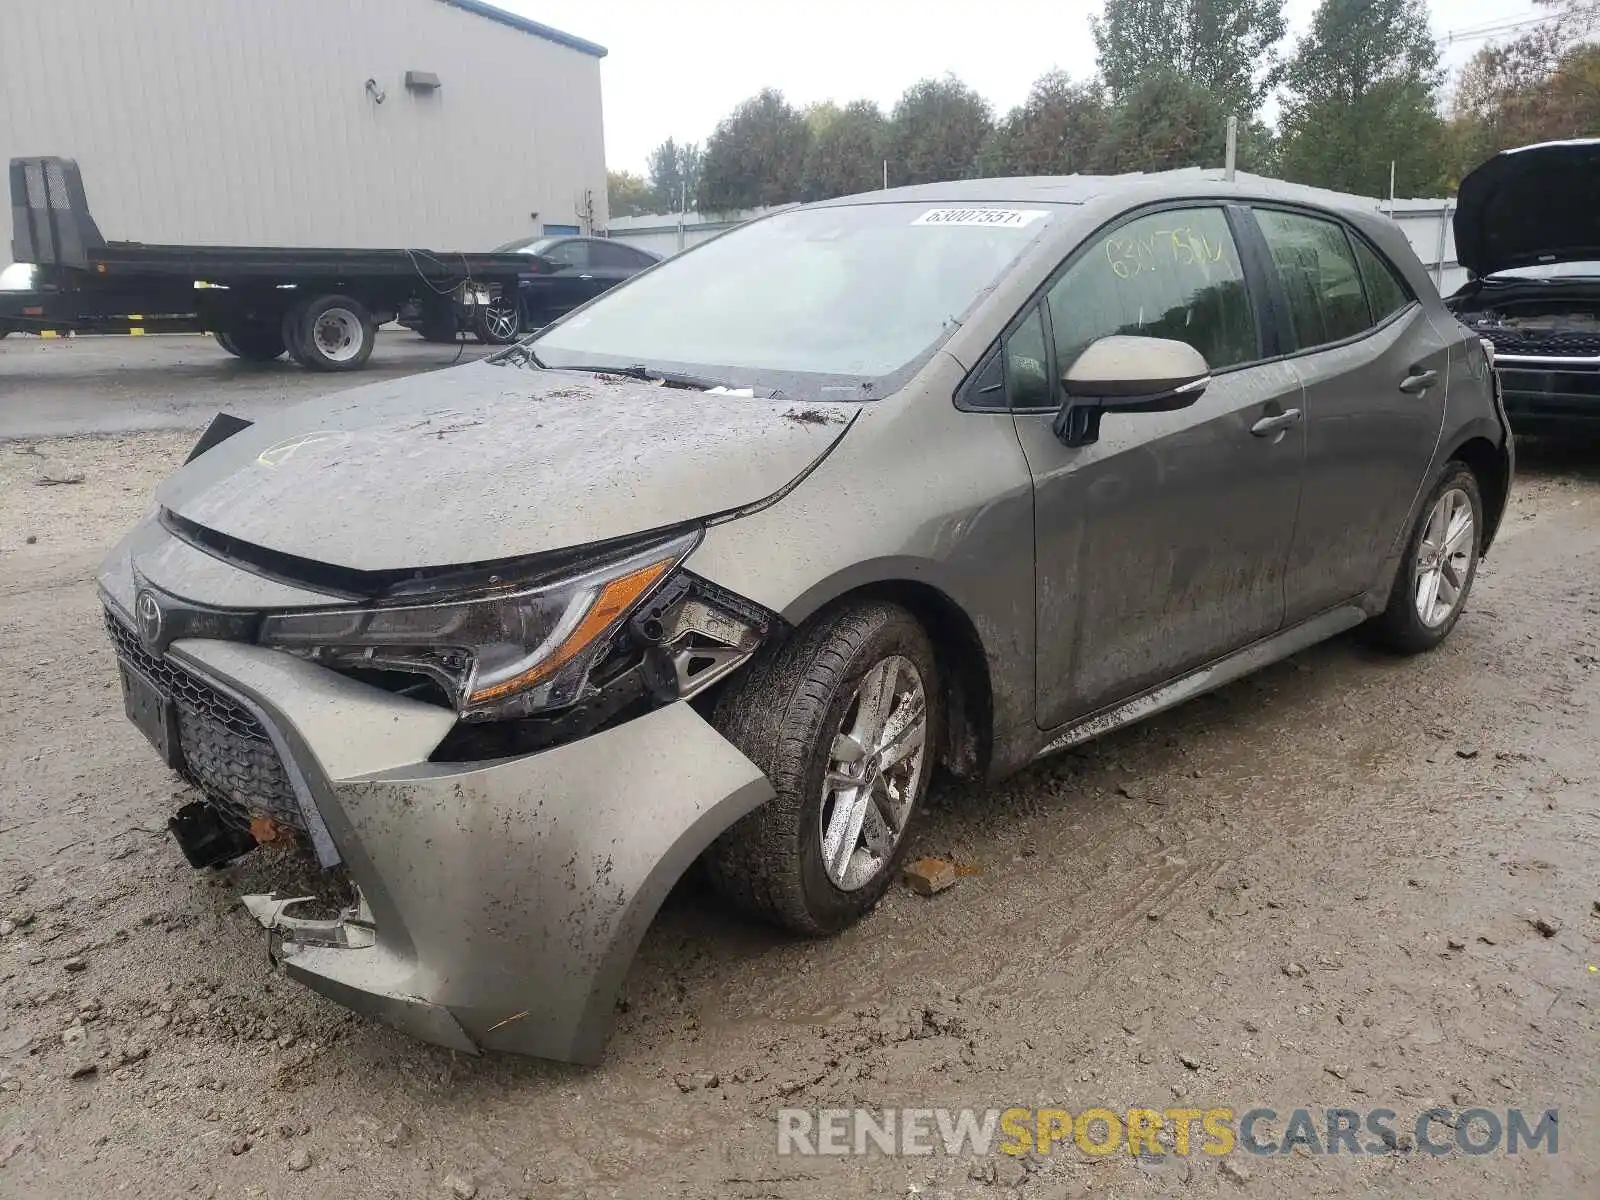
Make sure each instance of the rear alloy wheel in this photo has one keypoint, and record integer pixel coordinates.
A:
(844, 720)
(1440, 563)
(497, 323)
(333, 333)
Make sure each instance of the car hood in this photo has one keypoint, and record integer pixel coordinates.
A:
(1539, 204)
(486, 462)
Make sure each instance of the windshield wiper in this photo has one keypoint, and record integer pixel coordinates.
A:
(651, 375)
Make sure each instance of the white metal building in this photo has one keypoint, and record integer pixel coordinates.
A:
(447, 124)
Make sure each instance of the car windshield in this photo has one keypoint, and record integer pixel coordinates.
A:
(537, 246)
(1561, 270)
(807, 298)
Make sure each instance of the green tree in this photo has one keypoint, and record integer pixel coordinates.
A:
(937, 130)
(846, 152)
(1540, 86)
(1058, 130)
(1226, 47)
(674, 172)
(1361, 93)
(1170, 121)
(628, 195)
(755, 157)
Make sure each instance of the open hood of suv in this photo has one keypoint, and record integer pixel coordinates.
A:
(1539, 204)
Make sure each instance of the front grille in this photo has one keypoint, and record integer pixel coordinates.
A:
(1554, 343)
(226, 751)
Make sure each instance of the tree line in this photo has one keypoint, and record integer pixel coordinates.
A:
(1362, 89)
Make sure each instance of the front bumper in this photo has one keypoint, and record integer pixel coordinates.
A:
(1550, 394)
(501, 902)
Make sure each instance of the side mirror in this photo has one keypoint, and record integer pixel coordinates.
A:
(1128, 374)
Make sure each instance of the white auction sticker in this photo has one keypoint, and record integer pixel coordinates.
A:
(1004, 218)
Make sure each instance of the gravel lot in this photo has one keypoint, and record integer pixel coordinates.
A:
(1320, 886)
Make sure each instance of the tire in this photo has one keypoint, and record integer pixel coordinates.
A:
(786, 713)
(437, 321)
(1402, 628)
(497, 324)
(291, 328)
(252, 342)
(332, 333)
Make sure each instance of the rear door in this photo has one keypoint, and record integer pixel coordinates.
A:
(1374, 369)
(1163, 545)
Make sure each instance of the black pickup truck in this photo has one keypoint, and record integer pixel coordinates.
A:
(320, 306)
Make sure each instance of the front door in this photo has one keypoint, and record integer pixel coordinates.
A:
(1163, 545)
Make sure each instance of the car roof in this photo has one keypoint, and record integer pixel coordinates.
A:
(1136, 188)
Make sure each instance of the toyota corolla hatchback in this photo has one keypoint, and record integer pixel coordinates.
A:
(728, 562)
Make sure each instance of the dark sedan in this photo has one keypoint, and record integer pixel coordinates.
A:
(563, 272)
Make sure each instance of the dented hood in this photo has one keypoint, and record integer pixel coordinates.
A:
(1539, 204)
(486, 462)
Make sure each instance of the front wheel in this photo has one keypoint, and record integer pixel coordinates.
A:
(844, 720)
(1437, 570)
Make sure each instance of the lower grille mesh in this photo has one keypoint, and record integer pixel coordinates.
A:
(227, 753)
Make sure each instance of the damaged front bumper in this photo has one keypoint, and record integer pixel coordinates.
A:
(497, 904)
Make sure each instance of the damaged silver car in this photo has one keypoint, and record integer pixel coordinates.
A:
(727, 563)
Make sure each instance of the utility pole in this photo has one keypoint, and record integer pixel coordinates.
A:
(886, 174)
(1232, 159)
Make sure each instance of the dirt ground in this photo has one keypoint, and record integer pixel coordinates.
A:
(1318, 887)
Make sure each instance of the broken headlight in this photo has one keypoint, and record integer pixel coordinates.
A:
(506, 650)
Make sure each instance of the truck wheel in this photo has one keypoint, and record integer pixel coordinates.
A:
(843, 719)
(333, 333)
(253, 342)
(497, 324)
(291, 327)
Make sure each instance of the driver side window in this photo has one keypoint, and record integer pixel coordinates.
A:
(1172, 275)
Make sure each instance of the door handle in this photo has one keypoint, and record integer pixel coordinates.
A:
(1276, 423)
(1419, 381)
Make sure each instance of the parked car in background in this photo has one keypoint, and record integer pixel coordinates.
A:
(1528, 228)
(726, 565)
(563, 272)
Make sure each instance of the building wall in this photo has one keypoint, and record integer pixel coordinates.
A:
(239, 122)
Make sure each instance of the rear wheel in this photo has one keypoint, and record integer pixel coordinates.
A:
(330, 333)
(253, 342)
(1436, 573)
(843, 719)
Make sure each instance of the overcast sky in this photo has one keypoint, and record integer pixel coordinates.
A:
(676, 68)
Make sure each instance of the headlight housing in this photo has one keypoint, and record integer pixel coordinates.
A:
(506, 650)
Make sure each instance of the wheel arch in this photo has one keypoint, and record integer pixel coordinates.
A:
(967, 742)
(1491, 466)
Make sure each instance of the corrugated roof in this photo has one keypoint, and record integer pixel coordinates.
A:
(527, 26)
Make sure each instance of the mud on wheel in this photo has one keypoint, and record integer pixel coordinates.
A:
(844, 720)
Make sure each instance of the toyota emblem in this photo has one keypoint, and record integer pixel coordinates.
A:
(147, 611)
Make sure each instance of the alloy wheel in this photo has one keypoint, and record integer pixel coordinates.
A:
(1444, 558)
(875, 765)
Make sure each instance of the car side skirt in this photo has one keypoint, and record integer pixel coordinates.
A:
(1204, 679)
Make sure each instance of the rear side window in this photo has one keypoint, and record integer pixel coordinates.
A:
(1386, 292)
(608, 254)
(1317, 268)
(569, 254)
(1169, 275)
